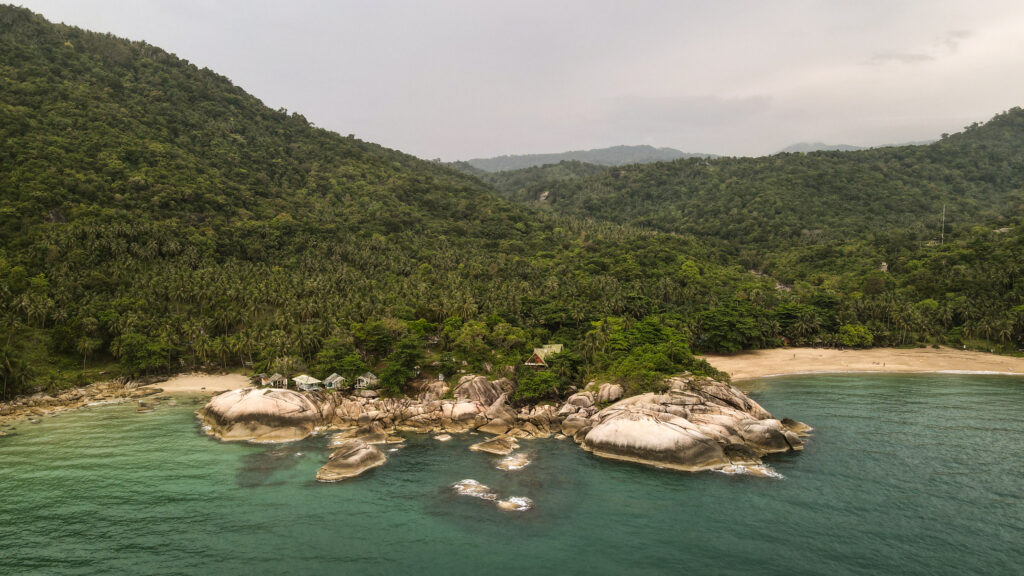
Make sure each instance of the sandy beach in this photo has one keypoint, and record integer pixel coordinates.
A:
(202, 383)
(780, 361)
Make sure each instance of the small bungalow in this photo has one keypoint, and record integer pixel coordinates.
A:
(305, 382)
(260, 380)
(335, 382)
(541, 354)
(366, 381)
(277, 381)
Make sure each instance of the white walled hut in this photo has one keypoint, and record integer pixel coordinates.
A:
(277, 381)
(306, 382)
(367, 381)
(335, 382)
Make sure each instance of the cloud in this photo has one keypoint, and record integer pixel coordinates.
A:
(904, 58)
(952, 39)
(945, 45)
(680, 112)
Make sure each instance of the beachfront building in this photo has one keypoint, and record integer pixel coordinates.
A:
(277, 381)
(260, 380)
(367, 381)
(305, 382)
(539, 355)
(335, 382)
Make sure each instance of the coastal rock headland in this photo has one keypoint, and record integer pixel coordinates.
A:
(696, 424)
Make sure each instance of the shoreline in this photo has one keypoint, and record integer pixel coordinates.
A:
(29, 409)
(200, 383)
(801, 361)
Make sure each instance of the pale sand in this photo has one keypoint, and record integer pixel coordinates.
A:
(202, 383)
(780, 361)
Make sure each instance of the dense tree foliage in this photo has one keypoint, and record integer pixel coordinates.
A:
(155, 218)
(890, 246)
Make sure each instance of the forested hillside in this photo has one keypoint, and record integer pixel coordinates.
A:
(893, 197)
(914, 243)
(158, 217)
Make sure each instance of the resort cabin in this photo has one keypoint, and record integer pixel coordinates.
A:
(277, 381)
(305, 382)
(334, 382)
(541, 354)
(367, 381)
(260, 380)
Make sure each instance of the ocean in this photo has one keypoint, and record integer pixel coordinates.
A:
(904, 474)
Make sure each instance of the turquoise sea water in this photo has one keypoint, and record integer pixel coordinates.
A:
(904, 475)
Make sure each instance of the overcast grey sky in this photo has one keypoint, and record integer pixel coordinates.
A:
(461, 79)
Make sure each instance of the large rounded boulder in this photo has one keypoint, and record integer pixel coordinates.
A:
(350, 459)
(479, 389)
(262, 415)
(697, 424)
(659, 438)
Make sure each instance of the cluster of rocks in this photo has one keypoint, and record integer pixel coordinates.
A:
(472, 488)
(697, 424)
(31, 408)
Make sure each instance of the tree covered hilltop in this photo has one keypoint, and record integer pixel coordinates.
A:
(156, 218)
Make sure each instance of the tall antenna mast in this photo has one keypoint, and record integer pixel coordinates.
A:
(942, 233)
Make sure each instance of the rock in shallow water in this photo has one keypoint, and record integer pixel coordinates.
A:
(470, 487)
(262, 415)
(513, 462)
(500, 445)
(516, 504)
(350, 459)
(696, 425)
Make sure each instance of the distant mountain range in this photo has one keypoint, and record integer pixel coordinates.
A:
(613, 156)
(805, 147)
(820, 146)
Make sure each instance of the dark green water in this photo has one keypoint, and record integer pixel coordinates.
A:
(904, 475)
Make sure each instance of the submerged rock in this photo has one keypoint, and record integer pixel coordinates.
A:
(514, 462)
(262, 415)
(351, 458)
(516, 504)
(696, 425)
(470, 487)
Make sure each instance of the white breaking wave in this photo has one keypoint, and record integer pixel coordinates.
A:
(762, 470)
(516, 504)
(470, 487)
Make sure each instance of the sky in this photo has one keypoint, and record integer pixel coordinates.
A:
(456, 79)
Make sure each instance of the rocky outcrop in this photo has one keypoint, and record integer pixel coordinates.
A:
(479, 389)
(265, 415)
(500, 445)
(609, 393)
(351, 458)
(699, 424)
(33, 407)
